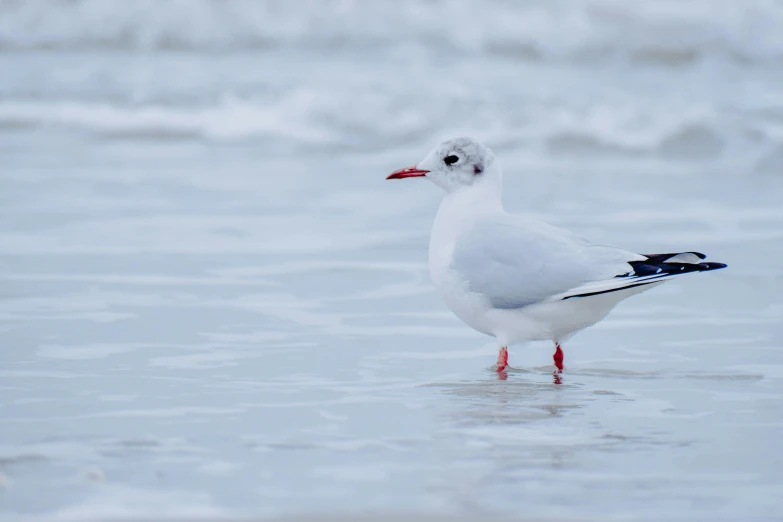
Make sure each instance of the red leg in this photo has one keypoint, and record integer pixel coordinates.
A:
(502, 359)
(558, 357)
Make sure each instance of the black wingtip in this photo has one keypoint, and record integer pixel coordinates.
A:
(656, 264)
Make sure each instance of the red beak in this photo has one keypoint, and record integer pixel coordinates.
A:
(407, 172)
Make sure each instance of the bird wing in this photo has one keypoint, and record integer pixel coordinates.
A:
(516, 263)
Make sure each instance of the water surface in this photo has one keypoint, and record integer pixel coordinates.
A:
(213, 304)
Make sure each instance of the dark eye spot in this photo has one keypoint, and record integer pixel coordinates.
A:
(477, 170)
(450, 160)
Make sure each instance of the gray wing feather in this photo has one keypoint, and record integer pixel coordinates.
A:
(516, 263)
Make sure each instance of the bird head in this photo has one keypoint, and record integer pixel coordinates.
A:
(455, 163)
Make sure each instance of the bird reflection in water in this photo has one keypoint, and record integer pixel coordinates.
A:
(503, 376)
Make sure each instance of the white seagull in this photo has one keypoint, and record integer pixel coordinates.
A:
(517, 279)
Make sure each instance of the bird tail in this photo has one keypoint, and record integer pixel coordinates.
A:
(656, 268)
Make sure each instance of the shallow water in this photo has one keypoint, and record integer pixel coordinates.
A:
(213, 304)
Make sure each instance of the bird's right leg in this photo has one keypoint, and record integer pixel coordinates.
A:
(502, 359)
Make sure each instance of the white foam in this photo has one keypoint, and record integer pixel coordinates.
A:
(332, 118)
(228, 119)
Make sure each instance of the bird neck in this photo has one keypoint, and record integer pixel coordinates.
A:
(466, 204)
(483, 195)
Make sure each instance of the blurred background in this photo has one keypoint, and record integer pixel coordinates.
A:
(212, 304)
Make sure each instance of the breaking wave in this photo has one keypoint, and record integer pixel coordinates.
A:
(696, 133)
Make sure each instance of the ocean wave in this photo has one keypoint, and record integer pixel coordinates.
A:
(230, 119)
(303, 119)
(666, 32)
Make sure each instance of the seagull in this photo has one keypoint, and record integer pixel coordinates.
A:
(517, 279)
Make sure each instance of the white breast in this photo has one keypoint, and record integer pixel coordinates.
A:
(453, 216)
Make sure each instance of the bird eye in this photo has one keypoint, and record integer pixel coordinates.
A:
(450, 160)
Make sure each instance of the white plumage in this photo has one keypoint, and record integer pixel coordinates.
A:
(518, 279)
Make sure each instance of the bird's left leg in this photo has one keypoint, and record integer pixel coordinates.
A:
(558, 357)
(502, 359)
